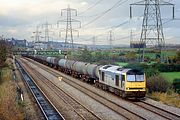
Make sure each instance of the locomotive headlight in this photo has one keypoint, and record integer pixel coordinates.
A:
(60, 78)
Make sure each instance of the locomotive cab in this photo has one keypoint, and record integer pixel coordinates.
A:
(122, 81)
(135, 83)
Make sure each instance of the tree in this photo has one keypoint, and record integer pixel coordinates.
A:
(3, 53)
(131, 56)
(178, 57)
(86, 56)
(102, 56)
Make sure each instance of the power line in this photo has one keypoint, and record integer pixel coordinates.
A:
(105, 12)
(108, 29)
(119, 25)
(117, 4)
(123, 23)
(91, 7)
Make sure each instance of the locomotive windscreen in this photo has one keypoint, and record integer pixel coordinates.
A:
(135, 75)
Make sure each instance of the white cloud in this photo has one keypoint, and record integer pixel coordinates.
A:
(84, 3)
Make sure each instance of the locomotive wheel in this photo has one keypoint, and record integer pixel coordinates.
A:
(123, 95)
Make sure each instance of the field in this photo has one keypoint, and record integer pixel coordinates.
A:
(121, 63)
(170, 76)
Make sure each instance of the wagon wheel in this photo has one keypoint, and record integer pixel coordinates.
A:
(96, 84)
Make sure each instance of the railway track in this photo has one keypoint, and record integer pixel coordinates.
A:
(147, 106)
(126, 113)
(78, 108)
(48, 109)
(164, 113)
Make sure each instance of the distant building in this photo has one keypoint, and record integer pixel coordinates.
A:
(137, 44)
(19, 43)
(40, 45)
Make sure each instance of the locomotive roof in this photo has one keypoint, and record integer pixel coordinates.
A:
(114, 68)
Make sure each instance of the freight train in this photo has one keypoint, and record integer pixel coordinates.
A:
(121, 81)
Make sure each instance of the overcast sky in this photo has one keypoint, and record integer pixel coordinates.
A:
(19, 18)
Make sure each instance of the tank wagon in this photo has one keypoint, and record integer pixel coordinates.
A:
(121, 81)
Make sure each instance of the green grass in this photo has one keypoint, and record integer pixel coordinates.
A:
(121, 63)
(166, 53)
(170, 76)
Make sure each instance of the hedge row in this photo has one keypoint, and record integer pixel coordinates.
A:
(167, 67)
(158, 66)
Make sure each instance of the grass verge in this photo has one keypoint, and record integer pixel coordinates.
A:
(171, 98)
(9, 108)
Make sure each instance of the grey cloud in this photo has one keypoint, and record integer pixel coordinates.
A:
(9, 21)
(113, 18)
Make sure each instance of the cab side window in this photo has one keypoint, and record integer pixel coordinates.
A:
(122, 80)
(117, 80)
(102, 76)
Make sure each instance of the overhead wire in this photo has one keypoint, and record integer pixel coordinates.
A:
(116, 26)
(91, 7)
(111, 28)
(123, 23)
(117, 4)
(138, 33)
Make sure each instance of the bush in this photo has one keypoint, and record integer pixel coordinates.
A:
(3, 53)
(137, 66)
(176, 85)
(151, 72)
(157, 84)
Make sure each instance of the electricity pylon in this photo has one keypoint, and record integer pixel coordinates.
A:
(69, 20)
(152, 29)
(131, 36)
(46, 27)
(94, 42)
(111, 38)
(37, 36)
